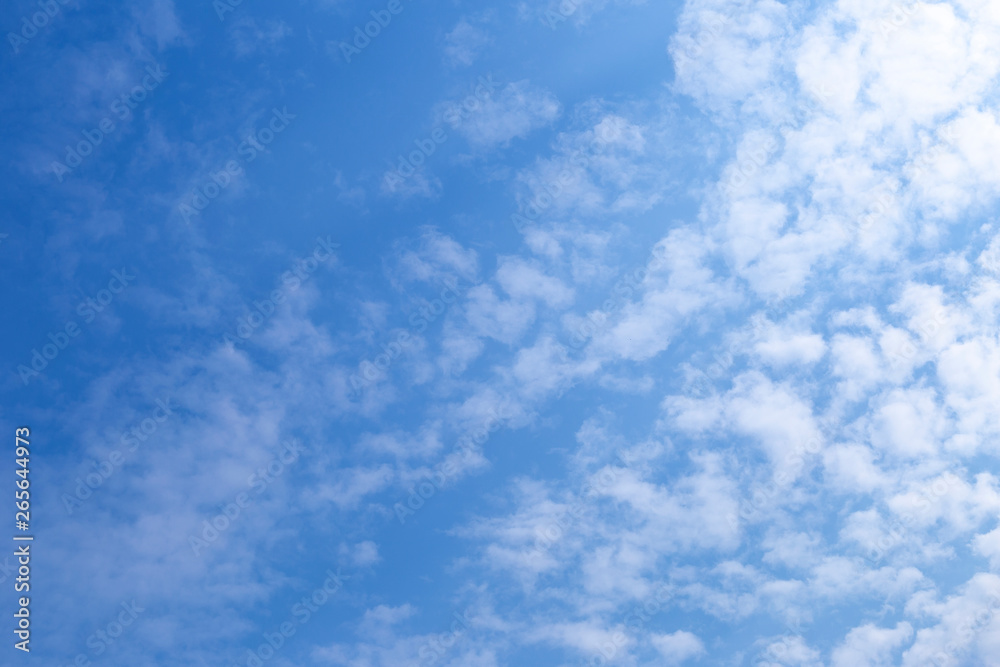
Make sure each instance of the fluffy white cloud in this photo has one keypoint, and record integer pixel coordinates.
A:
(678, 647)
(464, 43)
(871, 645)
(512, 112)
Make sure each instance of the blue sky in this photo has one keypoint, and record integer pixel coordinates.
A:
(593, 332)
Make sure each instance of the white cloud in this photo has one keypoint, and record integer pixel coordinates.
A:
(774, 415)
(438, 259)
(513, 112)
(909, 424)
(894, 394)
(871, 645)
(250, 37)
(791, 652)
(503, 320)
(966, 625)
(464, 43)
(853, 468)
(787, 344)
(678, 647)
(524, 280)
(419, 184)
